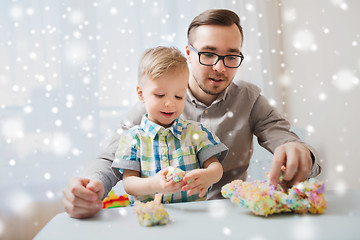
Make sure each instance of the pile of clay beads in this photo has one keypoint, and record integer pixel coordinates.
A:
(175, 174)
(151, 213)
(264, 199)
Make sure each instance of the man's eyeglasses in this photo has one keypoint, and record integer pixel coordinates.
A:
(210, 59)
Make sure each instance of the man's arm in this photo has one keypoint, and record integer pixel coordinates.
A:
(82, 196)
(100, 169)
(273, 131)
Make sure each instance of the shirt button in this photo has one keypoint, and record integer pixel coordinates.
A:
(206, 111)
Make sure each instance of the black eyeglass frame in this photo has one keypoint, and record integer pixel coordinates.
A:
(219, 57)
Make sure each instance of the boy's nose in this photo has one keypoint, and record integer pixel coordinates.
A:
(169, 103)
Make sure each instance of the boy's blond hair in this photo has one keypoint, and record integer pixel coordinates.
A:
(160, 60)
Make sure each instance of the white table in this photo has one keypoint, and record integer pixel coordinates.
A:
(217, 219)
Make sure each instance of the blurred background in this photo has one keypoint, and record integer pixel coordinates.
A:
(68, 76)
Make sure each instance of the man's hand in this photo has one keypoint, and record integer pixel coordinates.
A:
(82, 197)
(296, 157)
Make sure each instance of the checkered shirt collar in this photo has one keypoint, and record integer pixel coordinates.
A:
(153, 128)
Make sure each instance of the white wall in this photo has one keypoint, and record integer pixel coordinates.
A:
(64, 63)
(67, 77)
(321, 41)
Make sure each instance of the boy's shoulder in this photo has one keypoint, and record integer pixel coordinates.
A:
(190, 125)
(135, 130)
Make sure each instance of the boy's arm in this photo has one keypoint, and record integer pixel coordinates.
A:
(135, 185)
(199, 180)
(138, 186)
(214, 169)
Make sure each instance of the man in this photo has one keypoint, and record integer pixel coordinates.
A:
(234, 112)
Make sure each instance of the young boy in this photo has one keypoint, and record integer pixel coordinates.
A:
(163, 139)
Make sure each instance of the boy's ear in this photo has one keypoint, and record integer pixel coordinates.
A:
(140, 93)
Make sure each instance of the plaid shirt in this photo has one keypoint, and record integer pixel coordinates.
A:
(149, 147)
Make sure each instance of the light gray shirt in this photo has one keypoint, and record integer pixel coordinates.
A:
(235, 116)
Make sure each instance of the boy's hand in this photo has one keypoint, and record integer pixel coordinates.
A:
(197, 181)
(164, 186)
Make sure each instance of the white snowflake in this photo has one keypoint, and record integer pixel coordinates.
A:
(310, 129)
(16, 13)
(322, 97)
(76, 17)
(13, 128)
(340, 187)
(12, 162)
(87, 124)
(341, 4)
(61, 143)
(289, 15)
(19, 202)
(47, 176)
(249, 7)
(113, 11)
(227, 231)
(345, 80)
(304, 40)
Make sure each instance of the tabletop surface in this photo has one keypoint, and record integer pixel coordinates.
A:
(216, 219)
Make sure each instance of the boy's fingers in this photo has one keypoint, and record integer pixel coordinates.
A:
(163, 171)
(202, 193)
(189, 185)
(194, 190)
(192, 175)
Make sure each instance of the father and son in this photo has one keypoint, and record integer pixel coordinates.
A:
(199, 121)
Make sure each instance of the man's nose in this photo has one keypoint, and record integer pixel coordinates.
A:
(219, 66)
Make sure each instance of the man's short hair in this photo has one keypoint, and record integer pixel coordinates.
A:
(158, 61)
(222, 17)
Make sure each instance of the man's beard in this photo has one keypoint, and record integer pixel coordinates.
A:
(205, 90)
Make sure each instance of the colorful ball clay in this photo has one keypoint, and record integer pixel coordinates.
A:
(264, 199)
(175, 174)
(151, 213)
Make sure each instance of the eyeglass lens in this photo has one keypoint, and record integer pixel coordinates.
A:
(212, 59)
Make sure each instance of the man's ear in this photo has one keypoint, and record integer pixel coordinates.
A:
(140, 93)
(187, 51)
